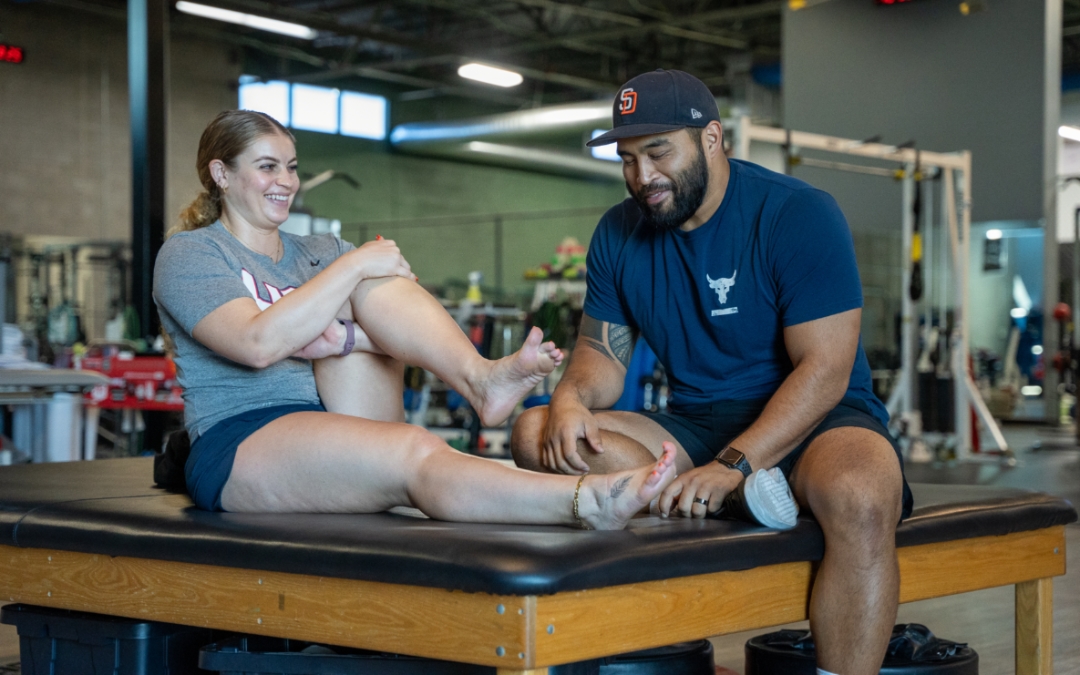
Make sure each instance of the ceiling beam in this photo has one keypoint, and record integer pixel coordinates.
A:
(325, 21)
(477, 12)
(322, 21)
(669, 27)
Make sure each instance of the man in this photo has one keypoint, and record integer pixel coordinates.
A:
(744, 283)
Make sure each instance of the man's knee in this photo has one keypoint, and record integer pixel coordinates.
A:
(860, 505)
(525, 438)
(857, 497)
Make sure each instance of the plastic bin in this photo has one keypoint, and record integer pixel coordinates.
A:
(684, 658)
(256, 655)
(76, 643)
(913, 650)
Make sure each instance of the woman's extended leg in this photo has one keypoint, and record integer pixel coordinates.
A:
(322, 462)
(410, 325)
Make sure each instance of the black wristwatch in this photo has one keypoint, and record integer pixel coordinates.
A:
(734, 459)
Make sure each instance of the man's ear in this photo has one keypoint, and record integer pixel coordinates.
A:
(712, 139)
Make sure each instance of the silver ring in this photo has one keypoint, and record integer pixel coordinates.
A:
(699, 500)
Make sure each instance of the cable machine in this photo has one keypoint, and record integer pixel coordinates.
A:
(953, 172)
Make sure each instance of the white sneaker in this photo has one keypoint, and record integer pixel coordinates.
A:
(768, 497)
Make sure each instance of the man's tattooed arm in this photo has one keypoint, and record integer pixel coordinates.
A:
(613, 340)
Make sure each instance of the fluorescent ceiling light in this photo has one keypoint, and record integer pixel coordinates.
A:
(1031, 390)
(497, 76)
(1070, 133)
(250, 20)
(993, 234)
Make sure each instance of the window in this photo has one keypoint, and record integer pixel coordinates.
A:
(330, 111)
(271, 98)
(363, 115)
(315, 108)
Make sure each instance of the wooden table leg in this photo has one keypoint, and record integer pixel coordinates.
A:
(1035, 627)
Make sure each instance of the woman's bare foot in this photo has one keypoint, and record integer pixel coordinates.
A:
(514, 376)
(609, 501)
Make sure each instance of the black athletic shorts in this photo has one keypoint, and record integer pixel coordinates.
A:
(211, 460)
(704, 430)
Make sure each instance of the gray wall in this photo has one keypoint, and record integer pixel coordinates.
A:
(64, 137)
(923, 71)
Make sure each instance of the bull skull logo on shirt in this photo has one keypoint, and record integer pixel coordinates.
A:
(722, 285)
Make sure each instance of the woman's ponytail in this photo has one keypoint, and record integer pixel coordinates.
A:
(204, 210)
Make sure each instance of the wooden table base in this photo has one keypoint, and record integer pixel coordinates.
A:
(521, 634)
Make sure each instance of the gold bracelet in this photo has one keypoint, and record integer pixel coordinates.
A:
(581, 523)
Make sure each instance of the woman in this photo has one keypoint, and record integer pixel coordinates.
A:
(269, 328)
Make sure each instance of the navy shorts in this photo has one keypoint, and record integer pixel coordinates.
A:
(705, 430)
(212, 454)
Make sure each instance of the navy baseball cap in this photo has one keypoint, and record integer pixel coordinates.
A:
(663, 100)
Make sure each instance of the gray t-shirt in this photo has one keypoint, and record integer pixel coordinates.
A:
(201, 270)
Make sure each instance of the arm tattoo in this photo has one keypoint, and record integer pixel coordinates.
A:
(613, 340)
(619, 487)
(621, 339)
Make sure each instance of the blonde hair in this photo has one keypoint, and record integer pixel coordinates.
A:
(226, 137)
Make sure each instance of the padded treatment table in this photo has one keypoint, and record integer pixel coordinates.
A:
(97, 537)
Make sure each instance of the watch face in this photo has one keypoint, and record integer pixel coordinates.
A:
(731, 456)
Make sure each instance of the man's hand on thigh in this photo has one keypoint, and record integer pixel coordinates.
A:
(629, 441)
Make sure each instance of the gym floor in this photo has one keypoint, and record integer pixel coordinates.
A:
(1048, 460)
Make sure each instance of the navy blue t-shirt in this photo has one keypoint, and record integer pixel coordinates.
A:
(713, 302)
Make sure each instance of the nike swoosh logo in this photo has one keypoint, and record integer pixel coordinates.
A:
(314, 263)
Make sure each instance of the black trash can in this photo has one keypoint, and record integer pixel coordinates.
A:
(913, 650)
(684, 658)
(257, 655)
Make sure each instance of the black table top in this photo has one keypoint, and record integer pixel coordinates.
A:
(111, 507)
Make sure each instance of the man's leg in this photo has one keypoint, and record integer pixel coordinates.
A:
(851, 480)
(630, 441)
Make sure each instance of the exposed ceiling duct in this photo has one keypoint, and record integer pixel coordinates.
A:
(483, 139)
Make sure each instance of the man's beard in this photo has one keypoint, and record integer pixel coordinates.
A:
(687, 192)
